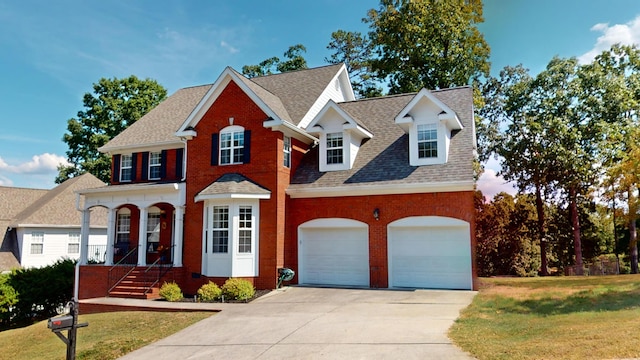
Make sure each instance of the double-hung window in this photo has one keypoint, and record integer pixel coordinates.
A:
(123, 228)
(244, 230)
(37, 242)
(155, 163)
(287, 151)
(74, 243)
(220, 230)
(427, 141)
(125, 168)
(334, 148)
(232, 147)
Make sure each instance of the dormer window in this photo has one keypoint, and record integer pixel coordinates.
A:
(428, 141)
(125, 168)
(232, 146)
(334, 148)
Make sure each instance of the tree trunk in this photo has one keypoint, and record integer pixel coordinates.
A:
(633, 234)
(541, 232)
(575, 222)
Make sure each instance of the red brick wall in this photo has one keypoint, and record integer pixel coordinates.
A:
(94, 281)
(170, 171)
(264, 168)
(457, 205)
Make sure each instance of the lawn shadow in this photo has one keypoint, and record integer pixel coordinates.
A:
(583, 301)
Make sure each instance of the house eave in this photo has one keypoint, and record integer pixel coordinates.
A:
(199, 198)
(139, 148)
(290, 130)
(382, 189)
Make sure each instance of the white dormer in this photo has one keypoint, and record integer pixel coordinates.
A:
(429, 123)
(340, 137)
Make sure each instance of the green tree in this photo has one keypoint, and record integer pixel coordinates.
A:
(429, 44)
(113, 106)
(355, 51)
(294, 61)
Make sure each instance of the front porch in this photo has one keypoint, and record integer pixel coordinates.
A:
(144, 239)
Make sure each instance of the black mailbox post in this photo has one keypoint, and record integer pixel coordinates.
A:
(68, 322)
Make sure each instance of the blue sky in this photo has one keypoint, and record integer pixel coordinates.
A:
(52, 52)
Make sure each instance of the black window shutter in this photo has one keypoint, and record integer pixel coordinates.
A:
(246, 156)
(163, 164)
(179, 160)
(115, 176)
(145, 166)
(134, 166)
(214, 149)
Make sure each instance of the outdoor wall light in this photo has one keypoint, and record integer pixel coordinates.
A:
(376, 214)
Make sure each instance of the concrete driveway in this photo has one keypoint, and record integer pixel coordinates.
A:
(323, 323)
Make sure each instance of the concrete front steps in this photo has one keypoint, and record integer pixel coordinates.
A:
(136, 286)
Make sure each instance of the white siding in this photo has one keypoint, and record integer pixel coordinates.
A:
(56, 245)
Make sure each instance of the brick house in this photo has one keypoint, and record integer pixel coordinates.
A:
(245, 176)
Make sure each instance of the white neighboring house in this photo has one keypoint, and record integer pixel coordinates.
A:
(40, 227)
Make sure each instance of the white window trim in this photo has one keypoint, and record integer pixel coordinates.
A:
(347, 154)
(286, 143)
(74, 240)
(129, 167)
(232, 130)
(153, 165)
(233, 263)
(442, 144)
(37, 238)
(121, 214)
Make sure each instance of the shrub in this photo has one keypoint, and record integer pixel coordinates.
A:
(209, 292)
(8, 298)
(171, 291)
(41, 291)
(238, 289)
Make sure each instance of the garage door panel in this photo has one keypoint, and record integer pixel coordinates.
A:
(437, 257)
(335, 256)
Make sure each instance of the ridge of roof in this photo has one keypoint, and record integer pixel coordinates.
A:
(297, 71)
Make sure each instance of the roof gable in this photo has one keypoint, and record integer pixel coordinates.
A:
(423, 99)
(331, 111)
(233, 186)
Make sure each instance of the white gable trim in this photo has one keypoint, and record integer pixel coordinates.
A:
(227, 76)
(231, 196)
(448, 115)
(350, 124)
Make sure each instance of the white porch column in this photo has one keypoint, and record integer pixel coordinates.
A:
(142, 238)
(84, 236)
(111, 238)
(178, 230)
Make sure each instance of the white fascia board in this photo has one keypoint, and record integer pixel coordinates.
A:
(343, 76)
(144, 187)
(44, 226)
(359, 129)
(290, 130)
(141, 148)
(452, 121)
(350, 122)
(232, 196)
(212, 95)
(386, 189)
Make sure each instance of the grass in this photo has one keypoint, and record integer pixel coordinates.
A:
(595, 317)
(108, 336)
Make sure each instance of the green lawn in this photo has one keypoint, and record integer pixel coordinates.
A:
(596, 317)
(108, 336)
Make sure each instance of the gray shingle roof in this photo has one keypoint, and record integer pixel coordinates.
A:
(58, 205)
(384, 159)
(233, 183)
(298, 90)
(160, 124)
(290, 95)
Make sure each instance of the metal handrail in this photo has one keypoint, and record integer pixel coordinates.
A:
(162, 270)
(121, 269)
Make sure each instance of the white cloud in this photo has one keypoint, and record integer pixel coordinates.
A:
(5, 181)
(225, 45)
(491, 184)
(626, 34)
(39, 164)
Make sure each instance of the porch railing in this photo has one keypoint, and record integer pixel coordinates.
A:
(122, 268)
(154, 272)
(96, 254)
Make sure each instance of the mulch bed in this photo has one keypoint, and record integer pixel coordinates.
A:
(258, 294)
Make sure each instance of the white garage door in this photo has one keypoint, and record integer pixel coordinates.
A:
(430, 252)
(333, 252)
